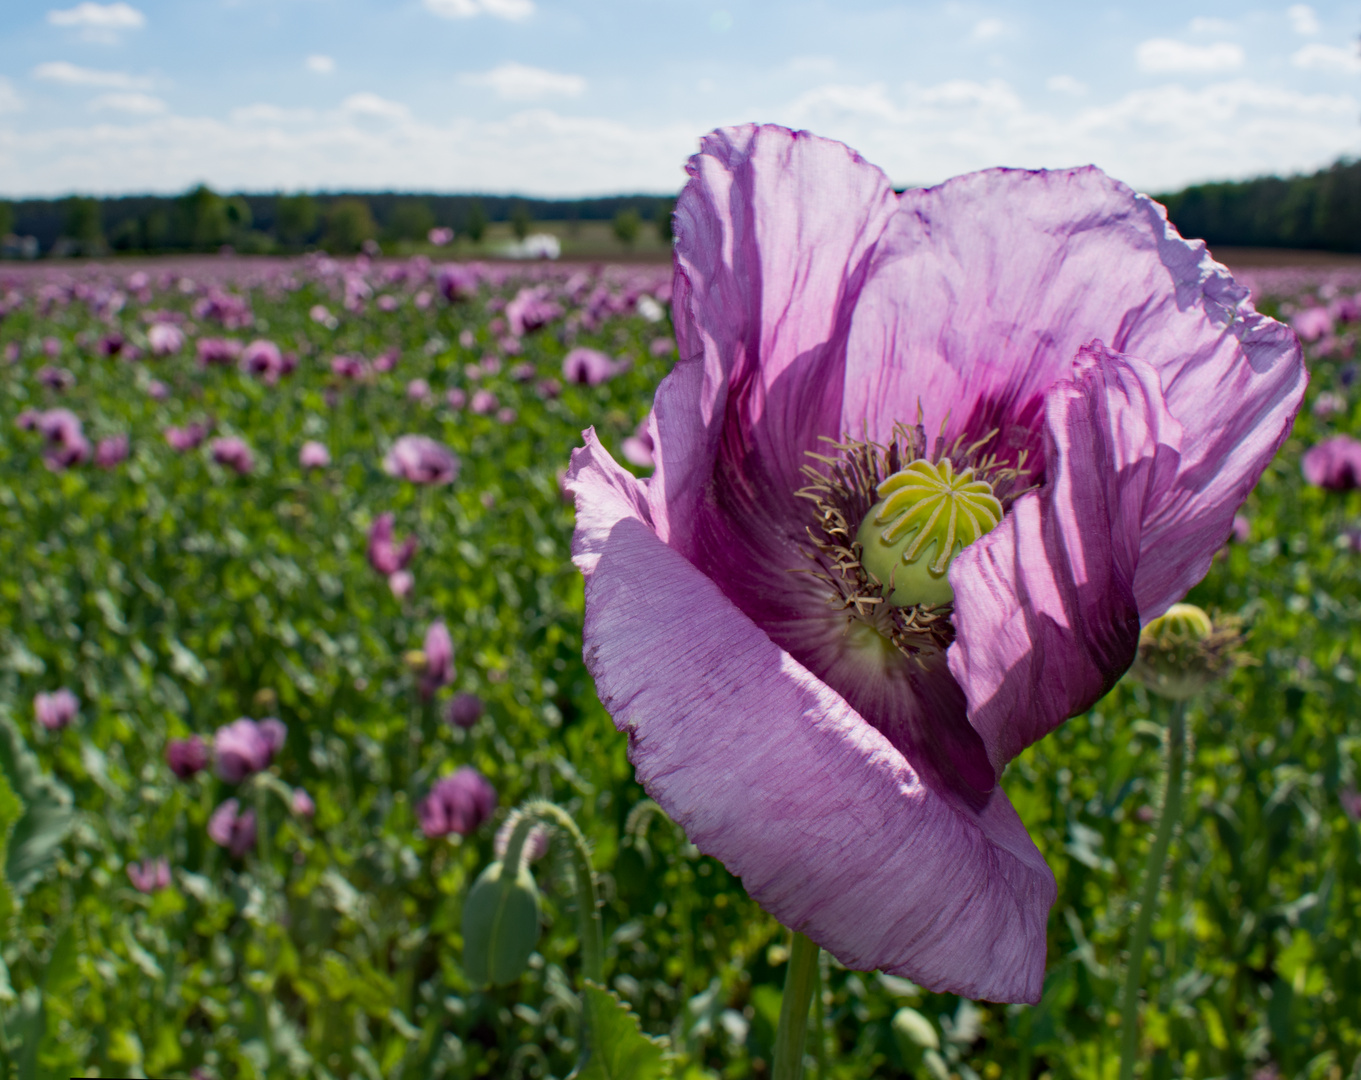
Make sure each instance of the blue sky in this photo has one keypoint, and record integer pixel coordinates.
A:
(577, 97)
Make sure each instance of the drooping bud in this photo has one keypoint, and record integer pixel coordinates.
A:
(926, 514)
(500, 925)
(1183, 651)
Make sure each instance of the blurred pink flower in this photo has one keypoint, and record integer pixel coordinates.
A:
(421, 460)
(157, 390)
(233, 453)
(531, 309)
(1334, 464)
(1328, 403)
(440, 236)
(111, 452)
(662, 346)
(638, 447)
(589, 367)
(314, 455)
(418, 390)
(150, 875)
(164, 339)
(245, 747)
(56, 710)
(302, 803)
(464, 710)
(483, 402)
(385, 555)
(217, 351)
(349, 367)
(55, 378)
(230, 828)
(456, 398)
(439, 659)
(188, 437)
(457, 804)
(506, 415)
(187, 757)
(1312, 323)
(266, 361)
(401, 583)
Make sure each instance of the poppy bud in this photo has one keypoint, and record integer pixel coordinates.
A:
(500, 926)
(1183, 651)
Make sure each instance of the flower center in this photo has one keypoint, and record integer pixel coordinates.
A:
(926, 514)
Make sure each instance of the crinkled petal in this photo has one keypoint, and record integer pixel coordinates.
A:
(1045, 607)
(984, 288)
(770, 771)
(773, 230)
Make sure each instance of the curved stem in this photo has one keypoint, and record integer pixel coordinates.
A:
(588, 910)
(792, 1036)
(1148, 899)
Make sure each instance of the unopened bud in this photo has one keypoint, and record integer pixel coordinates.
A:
(500, 925)
(1183, 651)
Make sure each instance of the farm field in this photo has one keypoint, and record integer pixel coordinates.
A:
(211, 508)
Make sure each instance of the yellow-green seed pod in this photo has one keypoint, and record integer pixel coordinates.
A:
(926, 514)
(1182, 652)
(500, 926)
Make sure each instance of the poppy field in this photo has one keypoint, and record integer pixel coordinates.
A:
(290, 626)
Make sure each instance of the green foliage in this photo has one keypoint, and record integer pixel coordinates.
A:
(173, 596)
(348, 225)
(618, 1050)
(295, 218)
(1322, 210)
(82, 225)
(6, 217)
(521, 221)
(202, 222)
(412, 220)
(47, 816)
(663, 219)
(476, 224)
(627, 225)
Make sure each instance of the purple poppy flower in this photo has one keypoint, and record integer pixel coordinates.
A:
(638, 447)
(385, 555)
(233, 453)
(302, 803)
(265, 360)
(456, 398)
(456, 282)
(401, 582)
(1334, 464)
(1312, 323)
(188, 437)
(439, 658)
(56, 710)
(421, 460)
(483, 402)
(111, 344)
(548, 388)
(158, 390)
(230, 828)
(111, 452)
(531, 309)
(457, 803)
(1242, 528)
(465, 710)
(164, 339)
(150, 875)
(314, 455)
(418, 390)
(58, 379)
(217, 351)
(187, 757)
(662, 346)
(245, 747)
(66, 442)
(1105, 397)
(590, 367)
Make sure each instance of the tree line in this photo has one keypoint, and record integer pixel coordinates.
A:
(203, 220)
(1319, 211)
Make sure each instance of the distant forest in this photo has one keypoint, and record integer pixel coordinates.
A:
(1320, 211)
(203, 220)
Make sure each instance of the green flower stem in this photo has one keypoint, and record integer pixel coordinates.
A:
(261, 832)
(792, 1036)
(588, 908)
(1148, 900)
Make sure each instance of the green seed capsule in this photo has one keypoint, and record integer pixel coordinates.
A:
(500, 926)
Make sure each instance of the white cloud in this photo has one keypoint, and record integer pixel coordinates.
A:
(60, 71)
(271, 114)
(133, 102)
(519, 82)
(1156, 139)
(366, 104)
(10, 101)
(467, 9)
(1066, 84)
(1164, 54)
(1302, 19)
(98, 22)
(320, 65)
(987, 29)
(1320, 57)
